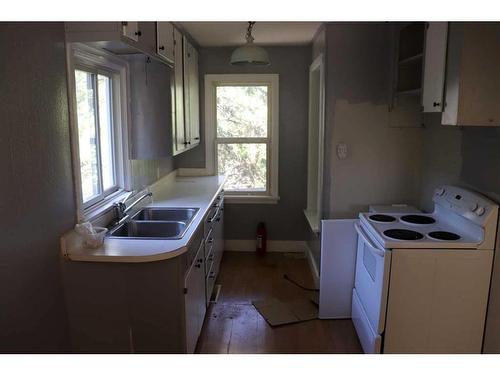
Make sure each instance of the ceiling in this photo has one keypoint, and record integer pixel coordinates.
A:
(223, 34)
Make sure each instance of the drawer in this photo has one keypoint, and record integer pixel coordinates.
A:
(370, 341)
(210, 281)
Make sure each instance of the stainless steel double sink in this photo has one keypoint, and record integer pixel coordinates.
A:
(156, 223)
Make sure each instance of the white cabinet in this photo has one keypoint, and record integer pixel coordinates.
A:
(178, 132)
(434, 66)
(186, 124)
(191, 94)
(472, 74)
(131, 30)
(165, 40)
(195, 307)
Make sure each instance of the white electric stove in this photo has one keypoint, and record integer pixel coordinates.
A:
(422, 280)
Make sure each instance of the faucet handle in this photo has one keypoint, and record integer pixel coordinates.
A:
(130, 193)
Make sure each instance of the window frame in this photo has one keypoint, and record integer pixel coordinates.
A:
(82, 57)
(212, 81)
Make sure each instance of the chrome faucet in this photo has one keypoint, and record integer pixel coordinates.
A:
(122, 209)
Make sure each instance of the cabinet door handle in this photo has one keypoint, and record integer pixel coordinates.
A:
(161, 48)
(138, 33)
(436, 104)
(197, 138)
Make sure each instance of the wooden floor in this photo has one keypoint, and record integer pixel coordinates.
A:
(233, 325)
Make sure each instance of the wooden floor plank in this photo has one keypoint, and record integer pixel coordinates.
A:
(233, 325)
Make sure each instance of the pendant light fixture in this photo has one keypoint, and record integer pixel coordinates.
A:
(249, 54)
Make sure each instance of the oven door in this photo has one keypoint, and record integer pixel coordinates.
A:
(372, 278)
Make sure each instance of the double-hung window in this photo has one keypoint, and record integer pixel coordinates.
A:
(242, 134)
(99, 143)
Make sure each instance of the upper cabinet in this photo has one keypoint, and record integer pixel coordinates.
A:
(186, 124)
(434, 66)
(191, 94)
(125, 38)
(178, 131)
(472, 75)
(131, 30)
(165, 40)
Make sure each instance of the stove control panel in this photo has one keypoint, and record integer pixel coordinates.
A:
(466, 203)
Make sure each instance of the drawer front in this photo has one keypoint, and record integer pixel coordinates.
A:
(370, 340)
(210, 282)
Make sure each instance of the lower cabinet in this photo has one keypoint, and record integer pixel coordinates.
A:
(150, 307)
(194, 300)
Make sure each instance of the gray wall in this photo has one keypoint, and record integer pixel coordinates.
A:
(37, 201)
(36, 186)
(285, 220)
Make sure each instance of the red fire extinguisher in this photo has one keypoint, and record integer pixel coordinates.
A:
(261, 239)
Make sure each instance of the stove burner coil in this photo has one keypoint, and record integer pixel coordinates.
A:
(444, 236)
(382, 218)
(417, 219)
(403, 234)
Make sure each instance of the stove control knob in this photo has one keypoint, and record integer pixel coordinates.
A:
(440, 191)
(480, 211)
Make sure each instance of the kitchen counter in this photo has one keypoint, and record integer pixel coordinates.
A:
(169, 192)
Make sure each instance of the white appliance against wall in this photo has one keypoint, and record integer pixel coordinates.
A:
(338, 264)
(422, 280)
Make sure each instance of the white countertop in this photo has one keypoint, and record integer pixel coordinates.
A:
(195, 192)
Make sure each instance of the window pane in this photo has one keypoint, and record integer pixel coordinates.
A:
(106, 131)
(85, 101)
(244, 165)
(242, 111)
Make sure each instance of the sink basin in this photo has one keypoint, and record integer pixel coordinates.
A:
(150, 229)
(166, 214)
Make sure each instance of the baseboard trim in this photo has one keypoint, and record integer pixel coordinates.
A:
(272, 246)
(312, 265)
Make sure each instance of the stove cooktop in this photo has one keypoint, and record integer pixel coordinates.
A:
(396, 230)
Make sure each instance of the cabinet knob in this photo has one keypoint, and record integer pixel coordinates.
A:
(161, 48)
(436, 104)
(138, 33)
(197, 138)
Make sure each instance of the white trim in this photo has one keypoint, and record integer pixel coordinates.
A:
(272, 245)
(100, 59)
(312, 265)
(272, 80)
(313, 214)
(313, 220)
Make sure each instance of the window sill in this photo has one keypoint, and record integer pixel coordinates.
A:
(313, 220)
(250, 199)
(99, 209)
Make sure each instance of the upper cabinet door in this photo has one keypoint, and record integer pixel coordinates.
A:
(179, 135)
(472, 74)
(434, 66)
(165, 40)
(191, 93)
(131, 30)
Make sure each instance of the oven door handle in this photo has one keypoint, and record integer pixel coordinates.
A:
(361, 233)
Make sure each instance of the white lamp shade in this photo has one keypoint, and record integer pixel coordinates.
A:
(249, 54)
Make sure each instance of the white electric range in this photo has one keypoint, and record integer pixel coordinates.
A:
(422, 280)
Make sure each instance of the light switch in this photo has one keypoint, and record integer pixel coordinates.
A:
(342, 151)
